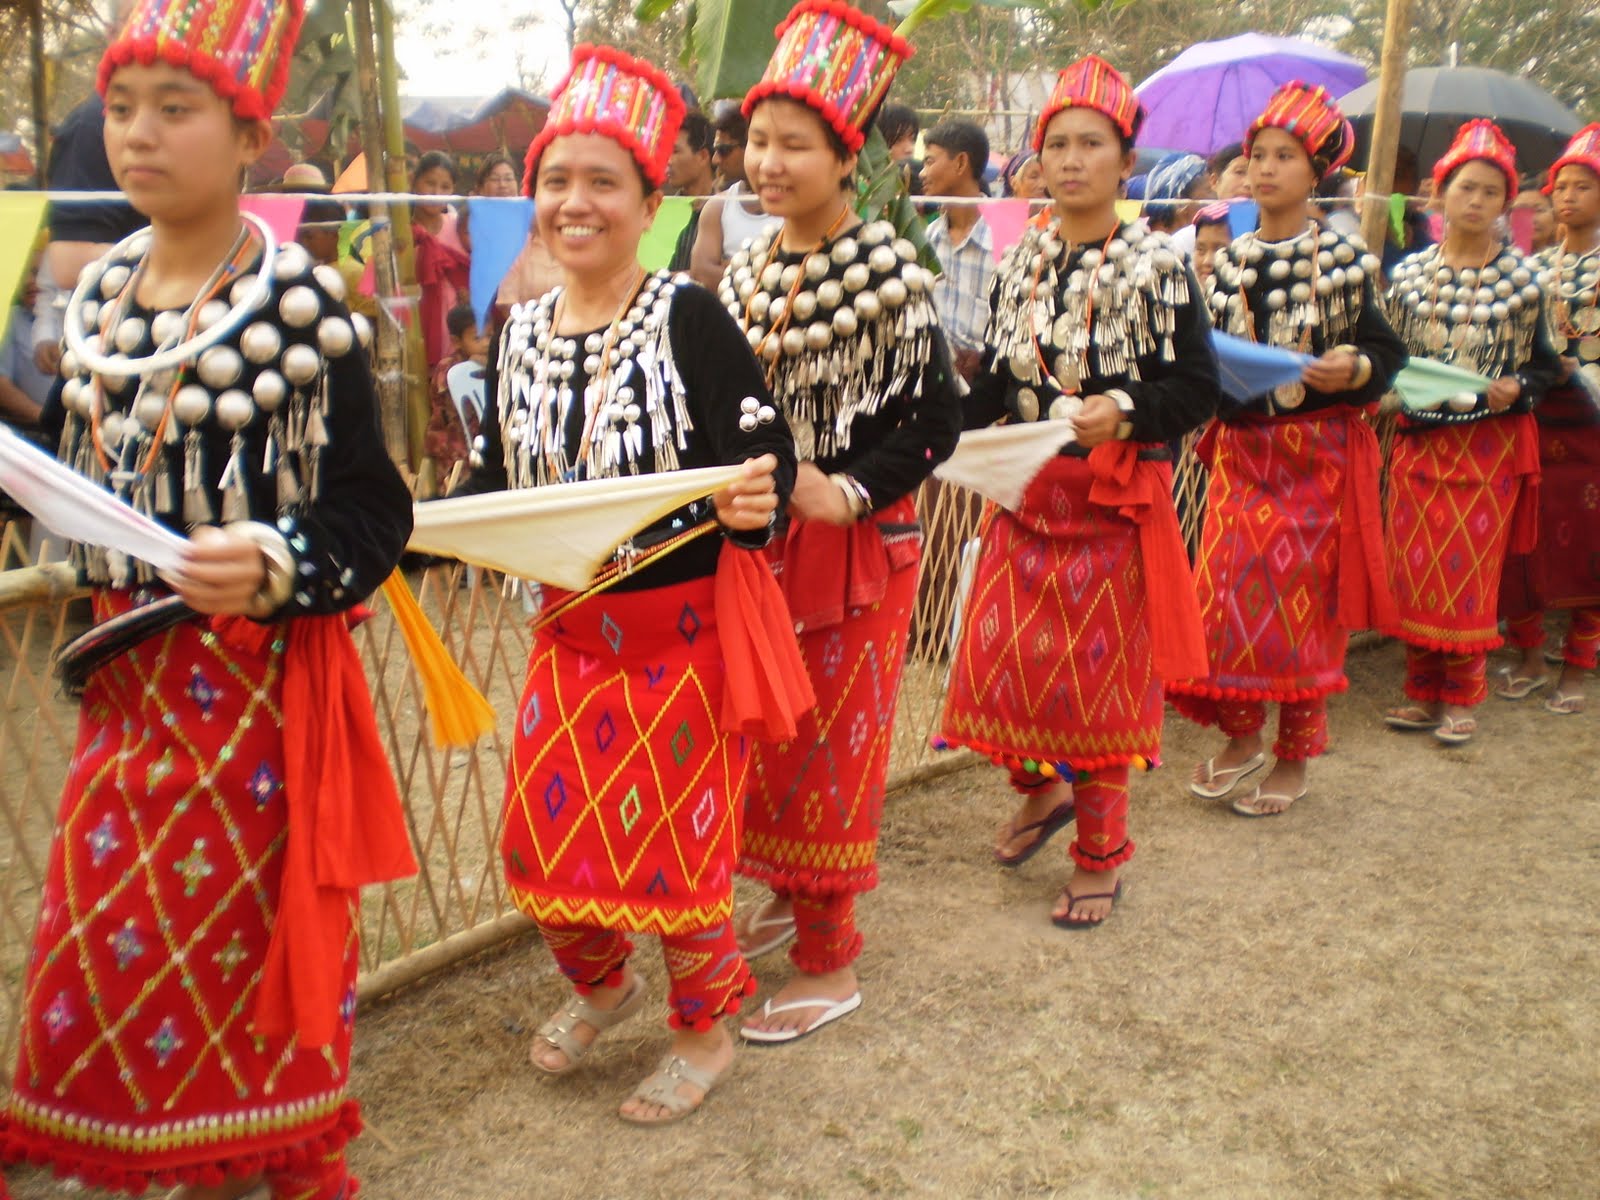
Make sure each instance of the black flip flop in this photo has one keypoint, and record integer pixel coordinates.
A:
(1058, 818)
(1065, 921)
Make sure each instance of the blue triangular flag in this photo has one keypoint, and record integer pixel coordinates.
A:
(499, 230)
(1248, 369)
(1243, 217)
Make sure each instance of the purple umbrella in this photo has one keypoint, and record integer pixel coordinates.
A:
(1207, 96)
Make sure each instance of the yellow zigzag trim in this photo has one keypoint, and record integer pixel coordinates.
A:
(626, 915)
(998, 733)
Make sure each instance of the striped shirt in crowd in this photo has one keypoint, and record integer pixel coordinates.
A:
(961, 293)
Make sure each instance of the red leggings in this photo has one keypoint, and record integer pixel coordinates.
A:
(709, 976)
(1101, 800)
(1302, 726)
(1582, 648)
(1434, 676)
(826, 938)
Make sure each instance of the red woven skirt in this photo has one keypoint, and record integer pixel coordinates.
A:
(815, 803)
(138, 1063)
(1564, 569)
(623, 800)
(1268, 570)
(1054, 662)
(1453, 491)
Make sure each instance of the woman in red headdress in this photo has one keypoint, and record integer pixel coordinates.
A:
(625, 792)
(1564, 569)
(842, 317)
(1291, 560)
(188, 1009)
(1082, 602)
(1464, 475)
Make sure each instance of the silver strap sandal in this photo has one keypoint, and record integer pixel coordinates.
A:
(558, 1032)
(661, 1087)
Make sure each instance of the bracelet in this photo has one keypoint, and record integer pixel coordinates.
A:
(1124, 401)
(1363, 370)
(279, 562)
(855, 495)
(1124, 431)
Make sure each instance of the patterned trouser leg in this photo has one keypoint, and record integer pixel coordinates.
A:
(1302, 730)
(1241, 718)
(1526, 632)
(328, 1179)
(590, 957)
(1102, 797)
(1424, 675)
(826, 938)
(1466, 679)
(708, 976)
(1583, 638)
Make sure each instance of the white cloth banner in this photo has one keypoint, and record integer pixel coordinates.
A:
(560, 534)
(69, 505)
(1001, 461)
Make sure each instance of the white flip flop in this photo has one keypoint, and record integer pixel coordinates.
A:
(785, 935)
(830, 1014)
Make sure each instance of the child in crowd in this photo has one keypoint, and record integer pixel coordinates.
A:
(446, 441)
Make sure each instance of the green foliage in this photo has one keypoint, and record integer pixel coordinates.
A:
(730, 42)
(882, 194)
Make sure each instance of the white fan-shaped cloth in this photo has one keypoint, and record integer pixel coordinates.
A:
(560, 534)
(69, 505)
(1000, 462)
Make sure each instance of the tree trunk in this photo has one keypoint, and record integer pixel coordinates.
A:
(391, 359)
(41, 99)
(1386, 123)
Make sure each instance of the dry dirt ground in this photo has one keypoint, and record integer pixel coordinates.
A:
(1389, 992)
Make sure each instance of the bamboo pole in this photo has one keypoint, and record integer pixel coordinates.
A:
(405, 249)
(391, 361)
(41, 97)
(1386, 121)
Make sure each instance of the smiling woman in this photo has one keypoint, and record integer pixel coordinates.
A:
(621, 372)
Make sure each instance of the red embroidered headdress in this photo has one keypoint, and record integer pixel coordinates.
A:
(609, 93)
(1092, 83)
(1582, 151)
(240, 48)
(835, 59)
(1309, 115)
(1479, 140)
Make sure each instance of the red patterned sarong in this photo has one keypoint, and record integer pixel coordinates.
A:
(1055, 665)
(1283, 553)
(623, 798)
(138, 1060)
(1459, 495)
(815, 802)
(1564, 570)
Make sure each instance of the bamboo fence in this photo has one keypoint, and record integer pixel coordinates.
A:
(457, 905)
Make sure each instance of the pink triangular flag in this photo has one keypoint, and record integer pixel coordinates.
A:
(281, 213)
(1007, 219)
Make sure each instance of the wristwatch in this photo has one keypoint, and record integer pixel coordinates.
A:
(1125, 407)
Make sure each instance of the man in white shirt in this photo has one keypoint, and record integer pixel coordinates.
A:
(955, 155)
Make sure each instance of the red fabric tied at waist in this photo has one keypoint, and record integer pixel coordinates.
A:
(345, 824)
(766, 688)
(829, 569)
(1525, 462)
(1141, 491)
(1365, 600)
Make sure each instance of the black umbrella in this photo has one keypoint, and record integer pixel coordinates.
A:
(1437, 101)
